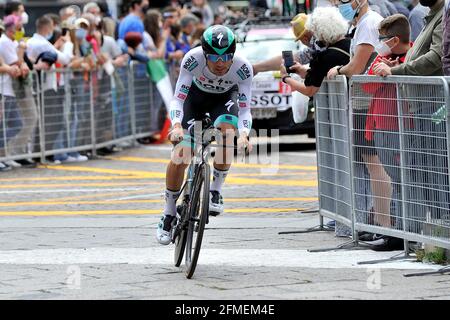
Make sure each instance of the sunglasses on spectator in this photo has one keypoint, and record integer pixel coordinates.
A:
(385, 37)
(217, 57)
(167, 15)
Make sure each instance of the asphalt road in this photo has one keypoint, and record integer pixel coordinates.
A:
(87, 231)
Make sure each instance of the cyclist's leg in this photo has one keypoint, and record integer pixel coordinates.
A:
(225, 117)
(180, 160)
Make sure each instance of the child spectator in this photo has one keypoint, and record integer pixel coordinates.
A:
(382, 124)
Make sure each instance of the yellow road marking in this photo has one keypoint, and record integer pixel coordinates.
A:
(69, 184)
(239, 165)
(144, 174)
(73, 178)
(135, 212)
(102, 202)
(108, 194)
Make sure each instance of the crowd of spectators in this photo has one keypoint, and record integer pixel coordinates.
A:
(83, 39)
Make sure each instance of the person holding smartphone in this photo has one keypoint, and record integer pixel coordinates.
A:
(329, 27)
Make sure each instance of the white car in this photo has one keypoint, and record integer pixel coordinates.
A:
(272, 100)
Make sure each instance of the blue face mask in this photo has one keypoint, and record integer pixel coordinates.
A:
(347, 11)
(49, 36)
(81, 34)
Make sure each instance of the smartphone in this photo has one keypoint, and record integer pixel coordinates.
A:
(288, 58)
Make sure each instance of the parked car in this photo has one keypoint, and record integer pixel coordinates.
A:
(271, 98)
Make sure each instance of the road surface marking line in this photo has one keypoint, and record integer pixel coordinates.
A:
(127, 201)
(248, 258)
(239, 165)
(87, 184)
(134, 212)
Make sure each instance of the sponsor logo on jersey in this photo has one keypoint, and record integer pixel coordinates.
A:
(190, 64)
(243, 72)
(246, 124)
(182, 96)
(242, 104)
(242, 97)
(185, 89)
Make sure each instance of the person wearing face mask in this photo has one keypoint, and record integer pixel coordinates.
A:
(382, 126)
(17, 9)
(133, 22)
(365, 32)
(425, 57)
(53, 87)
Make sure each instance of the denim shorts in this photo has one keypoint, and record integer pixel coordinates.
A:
(387, 144)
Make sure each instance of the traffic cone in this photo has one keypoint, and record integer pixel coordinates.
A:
(164, 134)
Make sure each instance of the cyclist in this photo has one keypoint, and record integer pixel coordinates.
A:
(213, 81)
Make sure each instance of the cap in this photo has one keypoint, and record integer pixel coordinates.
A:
(298, 25)
(67, 25)
(80, 21)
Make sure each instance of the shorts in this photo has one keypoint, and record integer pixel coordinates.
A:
(221, 108)
(387, 144)
(362, 145)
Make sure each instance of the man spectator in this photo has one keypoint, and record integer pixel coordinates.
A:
(446, 40)
(425, 57)
(417, 19)
(37, 46)
(187, 24)
(12, 55)
(133, 22)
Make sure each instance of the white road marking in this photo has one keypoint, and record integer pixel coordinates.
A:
(230, 257)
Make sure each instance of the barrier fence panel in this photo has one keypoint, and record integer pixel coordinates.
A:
(331, 115)
(400, 141)
(60, 112)
(19, 135)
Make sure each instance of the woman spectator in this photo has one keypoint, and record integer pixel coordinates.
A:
(329, 28)
(155, 36)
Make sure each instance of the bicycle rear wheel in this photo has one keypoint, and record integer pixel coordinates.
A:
(198, 212)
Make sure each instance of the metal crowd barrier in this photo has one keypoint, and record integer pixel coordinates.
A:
(333, 160)
(383, 156)
(64, 111)
(400, 135)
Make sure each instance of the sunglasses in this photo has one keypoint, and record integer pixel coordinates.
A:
(217, 57)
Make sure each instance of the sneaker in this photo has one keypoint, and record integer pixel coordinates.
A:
(81, 158)
(4, 167)
(164, 230)
(13, 164)
(215, 203)
(387, 243)
(27, 163)
(331, 224)
(366, 236)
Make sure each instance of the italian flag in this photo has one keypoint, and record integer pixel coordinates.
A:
(156, 68)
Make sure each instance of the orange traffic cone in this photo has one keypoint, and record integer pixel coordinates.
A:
(164, 134)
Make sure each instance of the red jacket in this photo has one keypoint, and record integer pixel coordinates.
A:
(382, 114)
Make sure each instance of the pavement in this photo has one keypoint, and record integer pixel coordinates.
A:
(87, 231)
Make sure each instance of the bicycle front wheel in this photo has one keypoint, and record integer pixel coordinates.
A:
(198, 212)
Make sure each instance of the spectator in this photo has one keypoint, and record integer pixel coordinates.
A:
(218, 19)
(187, 24)
(425, 57)
(11, 55)
(133, 21)
(203, 7)
(54, 89)
(401, 7)
(197, 37)
(303, 56)
(362, 52)
(446, 40)
(382, 127)
(155, 34)
(417, 20)
(16, 8)
(330, 28)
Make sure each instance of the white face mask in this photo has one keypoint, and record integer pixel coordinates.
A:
(25, 18)
(383, 49)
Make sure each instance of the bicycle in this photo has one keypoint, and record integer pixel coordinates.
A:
(193, 213)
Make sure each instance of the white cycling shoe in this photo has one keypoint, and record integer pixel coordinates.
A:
(215, 203)
(164, 230)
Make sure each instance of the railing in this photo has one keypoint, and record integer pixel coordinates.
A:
(383, 159)
(64, 111)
